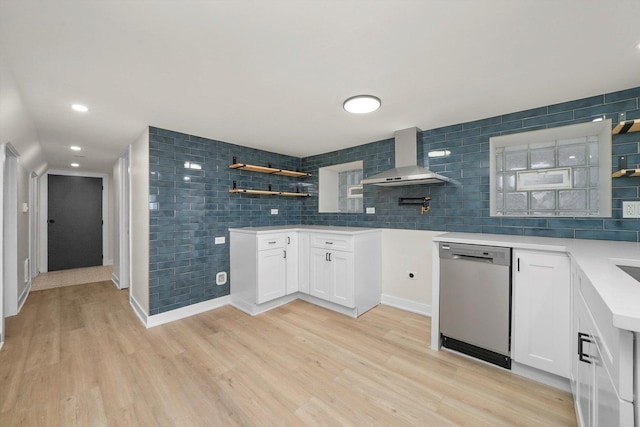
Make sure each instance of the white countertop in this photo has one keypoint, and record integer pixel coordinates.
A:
(300, 227)
(596, 258)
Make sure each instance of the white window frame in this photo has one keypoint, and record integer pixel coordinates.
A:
(601, 129)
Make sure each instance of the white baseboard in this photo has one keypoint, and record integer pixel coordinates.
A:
(190, 310)
(137, 309)
(351, 312)
(541, 376)
(115, 279)
(23, 297)
(255, 309)
(1, 344)
(407, 305)
(108, 261)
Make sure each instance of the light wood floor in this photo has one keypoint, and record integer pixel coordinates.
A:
(75, 276)
(79, 356)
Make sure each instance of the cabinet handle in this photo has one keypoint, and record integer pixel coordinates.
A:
(285, 254)
(518, 264)
(328, 243)
(582, 338)
(273, 242)
(329, 256)
(326, 256)
(288, 240)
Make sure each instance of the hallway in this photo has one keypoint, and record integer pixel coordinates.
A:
(76, 276)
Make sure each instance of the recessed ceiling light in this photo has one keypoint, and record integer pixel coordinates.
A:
(75, 165)
(361, 104)
(80, 108)
(75, 148)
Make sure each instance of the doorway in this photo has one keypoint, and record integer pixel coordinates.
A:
(74, 222)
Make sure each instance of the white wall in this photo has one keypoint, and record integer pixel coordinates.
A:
(404, 251)
(23, 229)
(139, 222)
(17, 128)
(110, 222)
(16, 125)
(115, 230)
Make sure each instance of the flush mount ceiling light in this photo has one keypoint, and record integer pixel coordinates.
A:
(75, 165)
(361, 104)
(75, 148)
(79, 108)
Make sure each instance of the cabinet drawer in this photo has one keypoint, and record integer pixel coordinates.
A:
(271, 242)
(332, 241)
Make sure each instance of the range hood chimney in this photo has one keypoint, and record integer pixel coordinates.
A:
(406, 172)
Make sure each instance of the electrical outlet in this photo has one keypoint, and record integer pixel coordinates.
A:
(411, 274)
(630, 209)
(219, 240)
(274, 211)
(371, 210)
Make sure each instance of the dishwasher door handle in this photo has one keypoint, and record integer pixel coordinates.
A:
(472, 258)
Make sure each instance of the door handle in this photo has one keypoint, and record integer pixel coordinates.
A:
(582, 338)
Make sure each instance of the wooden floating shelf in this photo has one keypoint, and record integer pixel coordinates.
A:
(625, 172)
(269, 170)
(268, 192)
(626, 127)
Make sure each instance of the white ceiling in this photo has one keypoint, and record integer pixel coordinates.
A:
(273, 74)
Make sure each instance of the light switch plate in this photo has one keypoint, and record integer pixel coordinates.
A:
(274, 211)
(371, 210)
(219, 240)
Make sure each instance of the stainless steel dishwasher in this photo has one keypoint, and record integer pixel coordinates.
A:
(475, 301)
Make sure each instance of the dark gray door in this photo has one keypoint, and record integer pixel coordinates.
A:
(74, 222)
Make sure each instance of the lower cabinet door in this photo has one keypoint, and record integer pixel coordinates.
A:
(584, 368)
(342, 272)
(320, 274)
(541, 306)
(293, 259)
(332, 276)
(272, 275)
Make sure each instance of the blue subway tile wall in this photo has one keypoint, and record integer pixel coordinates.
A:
(464, 206)
(190, 205)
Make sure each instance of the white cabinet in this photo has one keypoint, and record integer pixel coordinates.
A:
(344, 270)
(263, 267)
(602, 369)
(332, 276)
(339, 270)
(292, 255)
(541, 311)
(272, 274)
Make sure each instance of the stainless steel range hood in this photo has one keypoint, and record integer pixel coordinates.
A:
(406, 172)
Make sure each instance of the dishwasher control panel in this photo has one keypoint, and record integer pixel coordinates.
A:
(494, 254)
